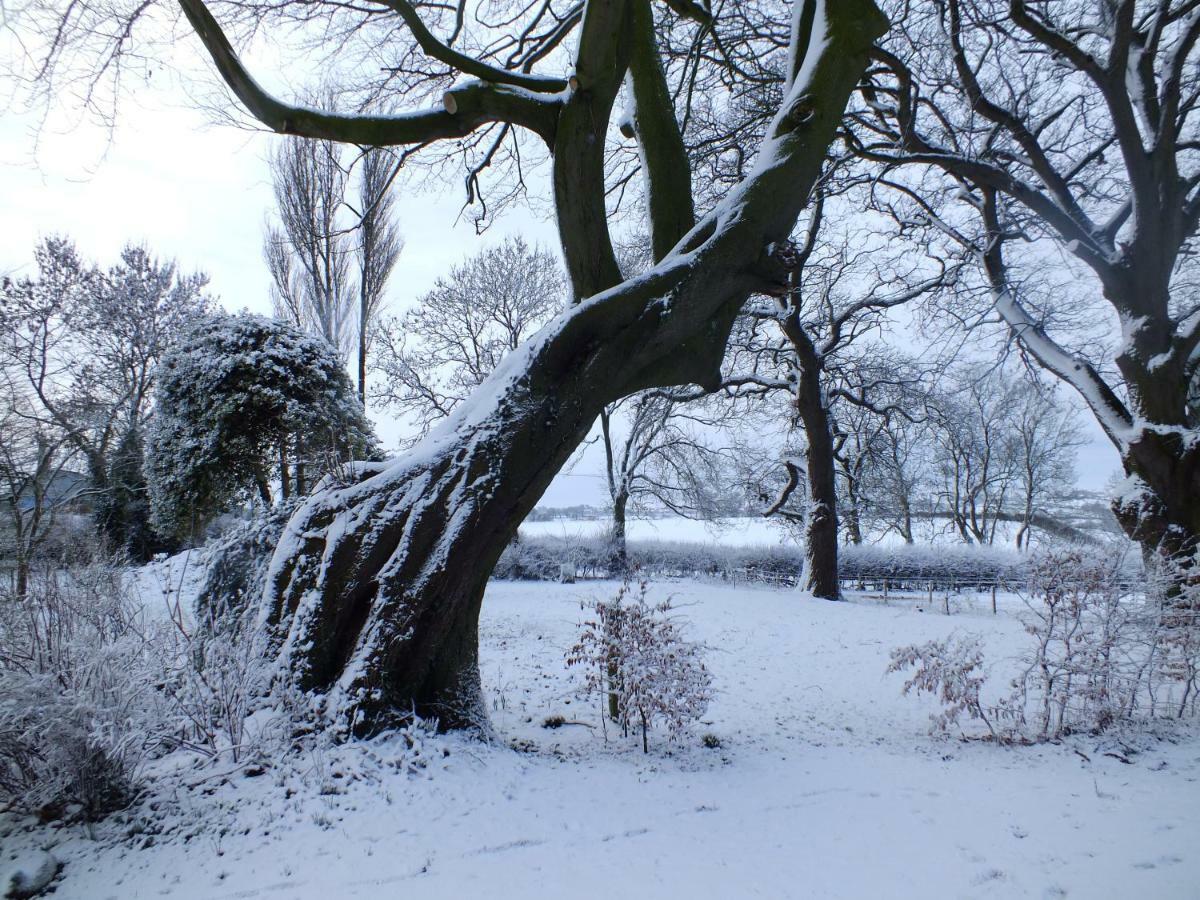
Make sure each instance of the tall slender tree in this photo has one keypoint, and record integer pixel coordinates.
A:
(377, 250)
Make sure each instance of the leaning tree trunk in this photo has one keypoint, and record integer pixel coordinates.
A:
(375, 589)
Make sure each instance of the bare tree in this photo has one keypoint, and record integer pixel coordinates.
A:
(1069, 122)
(376, 587)
(975, 452)
(378, 249)
(877, 395)
(798, 341)
(901, 472)
(432, 358)
(1047, 434)
(80, 348)
(309, 253)
(659, 457)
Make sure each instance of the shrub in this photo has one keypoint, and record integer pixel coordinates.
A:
(93, 686)
(634, 652)
(75, 695)
(950, 670)
(236, 567)
(1099, 653)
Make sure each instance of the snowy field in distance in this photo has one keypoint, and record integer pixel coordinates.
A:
(827, 784)
(748, 531)
(742, 532)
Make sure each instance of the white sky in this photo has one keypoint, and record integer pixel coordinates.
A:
(199, 193)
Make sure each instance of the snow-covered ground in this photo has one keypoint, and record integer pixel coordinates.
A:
(826, 784)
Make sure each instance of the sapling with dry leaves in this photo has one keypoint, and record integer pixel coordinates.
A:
(633, 653)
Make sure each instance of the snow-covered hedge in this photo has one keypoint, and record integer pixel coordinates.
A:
(236, 566)
(552, 558)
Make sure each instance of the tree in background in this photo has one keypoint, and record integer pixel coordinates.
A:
(654, 452)
(80, 351)
(1003, 448)
(804, 343)
(238, 397)
(1033, 131)
(433, 357)
(1047, 434)
(377, 249)
(329, 233)
(309, 254)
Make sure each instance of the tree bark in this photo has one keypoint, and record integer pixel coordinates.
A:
(618, 546)
(821, 527)
(375, 589)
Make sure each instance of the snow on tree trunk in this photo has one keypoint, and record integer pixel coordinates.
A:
(374, 591)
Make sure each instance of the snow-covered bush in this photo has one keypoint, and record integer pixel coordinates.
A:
(96, 681)
(241, 399)
(1100, 652)
(633, 651)
(542, 558)
(79, 711)
(952, 671)
(236, 567)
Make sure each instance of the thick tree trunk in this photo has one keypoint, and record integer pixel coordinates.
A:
(821, 521)
(375, 588)
(1161, 510)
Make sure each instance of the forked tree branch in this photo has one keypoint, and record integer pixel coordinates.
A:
(467, 107)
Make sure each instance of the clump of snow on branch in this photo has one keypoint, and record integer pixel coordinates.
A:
(633, 653)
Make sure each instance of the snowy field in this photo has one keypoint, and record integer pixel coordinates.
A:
(748, 531)
(826, 784)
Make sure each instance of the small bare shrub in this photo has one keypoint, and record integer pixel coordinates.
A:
(1100, 652)
(952, 671)
(634, 652)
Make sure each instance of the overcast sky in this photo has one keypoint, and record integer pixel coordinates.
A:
(199, 193)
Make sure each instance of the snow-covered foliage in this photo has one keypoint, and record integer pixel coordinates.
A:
(633, 652)
(79, 710)
(98, 680)
(949, 669)
(236, 565)
(236, 395)
(1098, 652)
